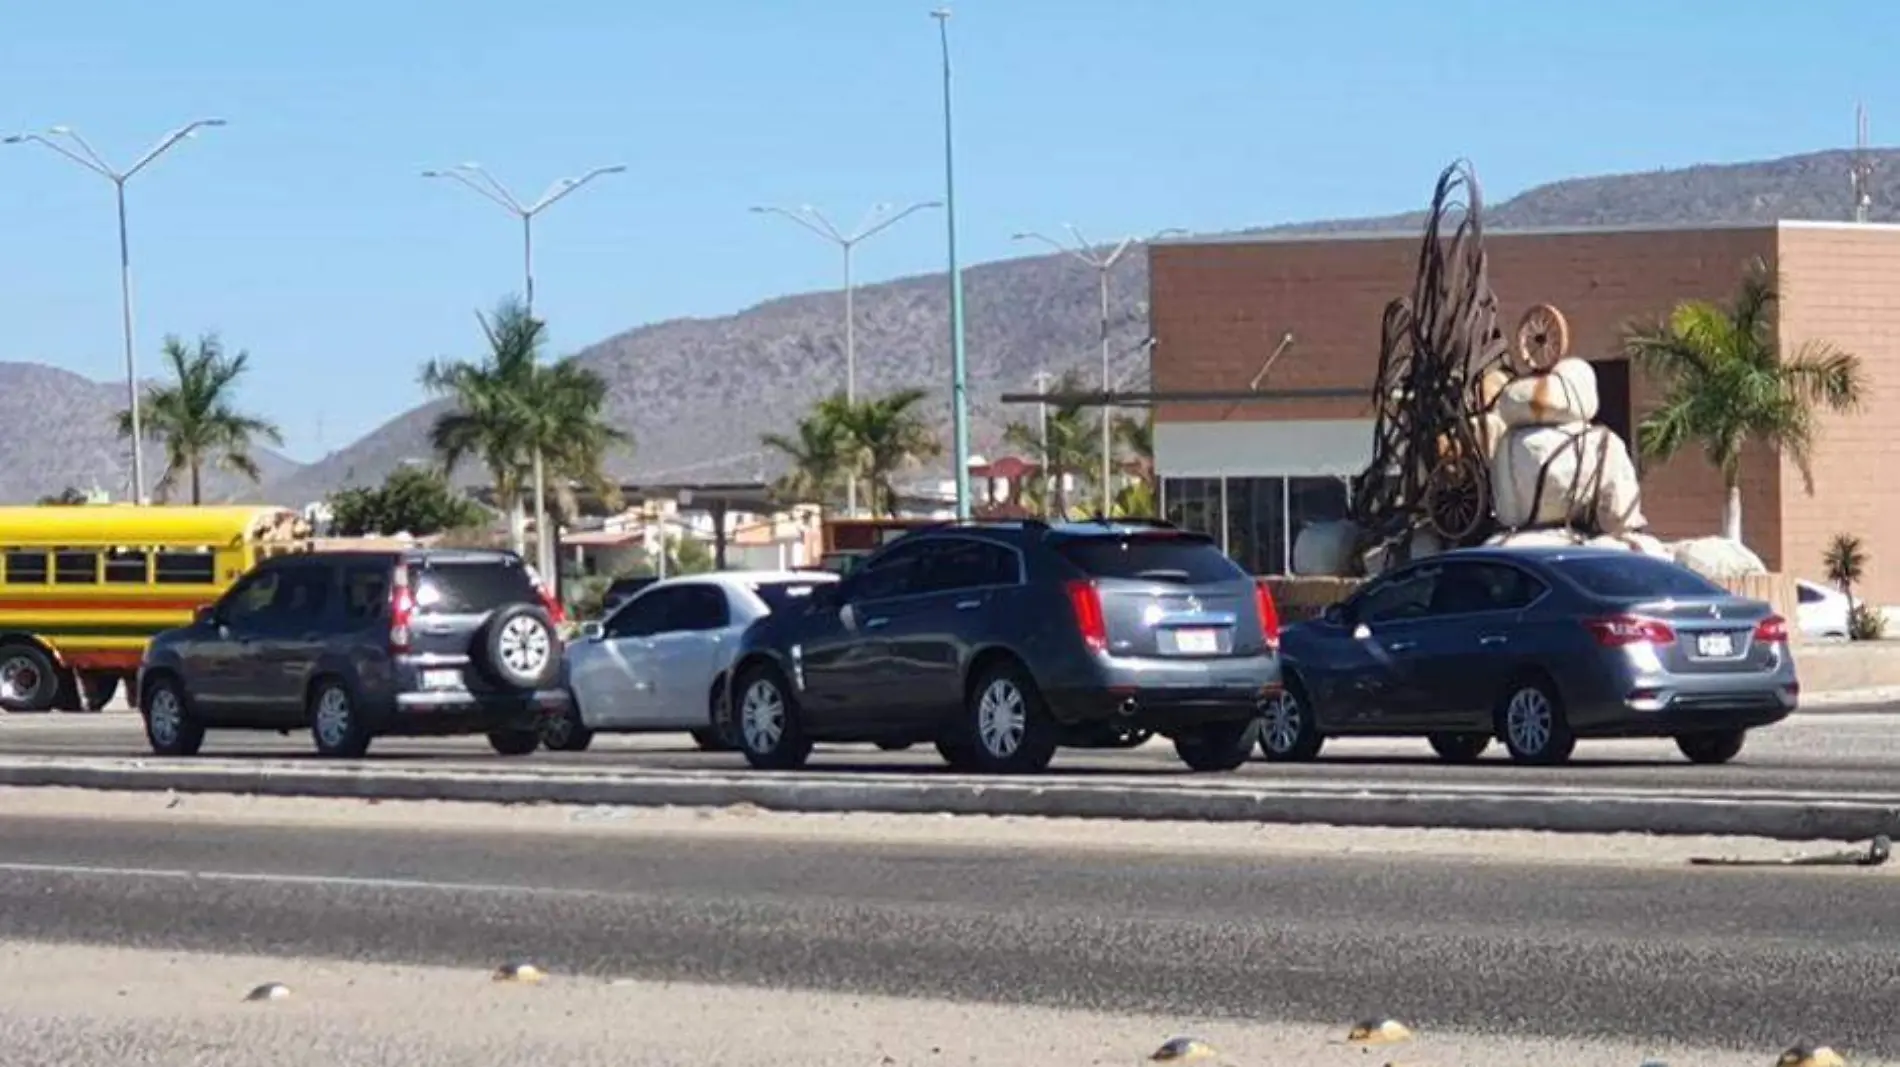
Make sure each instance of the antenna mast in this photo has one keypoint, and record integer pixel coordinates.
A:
(1861, 175)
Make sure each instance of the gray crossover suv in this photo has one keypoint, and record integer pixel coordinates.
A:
(1001, 641)
(352, 645)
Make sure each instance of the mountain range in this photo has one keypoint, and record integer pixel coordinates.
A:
(696, 394)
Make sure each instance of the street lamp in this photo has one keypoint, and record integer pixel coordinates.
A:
(474, 177)
(959, 398)
(1103, 264)
(876, 221)
(93, 161)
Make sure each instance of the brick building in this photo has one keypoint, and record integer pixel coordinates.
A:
(1253, 472)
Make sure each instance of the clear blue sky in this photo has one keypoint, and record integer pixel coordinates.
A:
(303, 232)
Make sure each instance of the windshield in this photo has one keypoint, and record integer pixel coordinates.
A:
(1635, 577)
(1151, 557)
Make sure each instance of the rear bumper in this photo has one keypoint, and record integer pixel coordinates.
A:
(1166, 695)
(441, 713)
(1669, 706)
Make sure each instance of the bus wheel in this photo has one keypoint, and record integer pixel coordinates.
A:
(28, 679)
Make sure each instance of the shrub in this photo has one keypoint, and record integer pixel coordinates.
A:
(1866, 622)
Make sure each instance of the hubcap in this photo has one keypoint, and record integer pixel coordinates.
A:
(19, 679)
(762, 717)
(1527, 721)
(333, 717)
(524, 645)
(163, 716)
(555, 730)
(1283, 723)
(1001, 718)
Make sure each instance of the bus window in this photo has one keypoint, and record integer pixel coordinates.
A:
(127, 566)
(74, 566)
(186, 568)
(26, 568)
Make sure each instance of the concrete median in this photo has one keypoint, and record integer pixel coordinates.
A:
(1804, 817)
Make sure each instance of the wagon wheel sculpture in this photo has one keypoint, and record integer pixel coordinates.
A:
(1458, 494)
(1543, 338)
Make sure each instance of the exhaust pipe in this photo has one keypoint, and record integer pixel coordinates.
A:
(1128, 709)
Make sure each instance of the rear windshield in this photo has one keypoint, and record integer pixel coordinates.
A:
(472, 588)
(782, 595)
(1152, 557)
(1635, 577)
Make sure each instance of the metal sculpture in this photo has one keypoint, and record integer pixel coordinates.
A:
(1430, 469)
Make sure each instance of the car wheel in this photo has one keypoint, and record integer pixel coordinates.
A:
(335, 726)
(1719, 746)
(514, 742)
(769, 733)
(29, 681)
(1459, 748)
(169, 726)
(564, 730)
(958, 753)
(723, 733)
(1219, 746)
(1289, 732)
(1008, 729)
(1531, 720)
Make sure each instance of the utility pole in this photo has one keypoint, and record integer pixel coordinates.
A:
(1049, 490)
(93, 161)
(959, 377)
(1103, 263)
(1862, 174)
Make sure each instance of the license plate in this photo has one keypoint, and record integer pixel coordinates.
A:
(1713, 645)
(441, 679)
(1196, 642)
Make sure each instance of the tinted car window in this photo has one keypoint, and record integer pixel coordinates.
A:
(365, 591)
(1463, 588)
(890, 574)
(697, 608)
(968, 564)
(1808, 596)
(1634, 576)
(1166, 558)
(1406, 595)
(303, 593)
(780, 596)
(253, 596)
(643, 616)
(472, 588)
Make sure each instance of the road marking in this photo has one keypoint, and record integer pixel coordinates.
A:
(335, 881)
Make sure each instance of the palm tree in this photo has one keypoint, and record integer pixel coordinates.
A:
(509, 404)
(1137, 439)
(1067, 449)
(1726, 382)
(196, 420)
(880, 437)
(816, 454)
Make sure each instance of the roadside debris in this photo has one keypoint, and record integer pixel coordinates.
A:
(519, 971)
(1378, 1032)
(1812, 1055)
(1874, 855)
(1182, 1050)
(269, 991)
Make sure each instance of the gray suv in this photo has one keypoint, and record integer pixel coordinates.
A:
(354, 645)
(1002, 641)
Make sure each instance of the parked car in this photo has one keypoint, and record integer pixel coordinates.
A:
(1537, 647)
(1820, 611)
(1001, 641)
(621, 590)
(660, 661)
(356, 645)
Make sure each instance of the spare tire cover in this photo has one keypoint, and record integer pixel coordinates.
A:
(518, 648)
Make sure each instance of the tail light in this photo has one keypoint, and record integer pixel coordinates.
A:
(402, 610)
(1618, 631)
(1086, 600)
(1269, 614)
(1772, 630)
(548, 600)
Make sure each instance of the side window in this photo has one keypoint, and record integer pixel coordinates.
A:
(1406, 595)
(1467, 588)
(302, 593)
(186, 568)
(969, 564)
(27, 567)
(128, 566)
(365, 592)
(74, 566)
(253, 596)
(891, 574)
(698, 608)
(643, 616)
(1807, 595)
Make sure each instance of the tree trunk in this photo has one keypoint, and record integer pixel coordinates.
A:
(518, 525)
(197, 471)
(1059, 494)
(1732, 512)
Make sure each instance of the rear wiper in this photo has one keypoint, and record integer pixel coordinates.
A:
(1163, 575)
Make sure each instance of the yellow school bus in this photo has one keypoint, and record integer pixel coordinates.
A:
(83, 587)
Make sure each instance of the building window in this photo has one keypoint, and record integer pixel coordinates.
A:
(1256, 520)
(1313, 500)
(26, 568)
(1256, 524)
(1193, 504)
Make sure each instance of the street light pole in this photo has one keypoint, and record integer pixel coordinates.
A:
(875, 221)
(93, 161)
(959, 398)
(474, 177)
(1103, 264)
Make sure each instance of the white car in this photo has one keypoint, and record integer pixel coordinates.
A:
(1821, 611)
(658, 661)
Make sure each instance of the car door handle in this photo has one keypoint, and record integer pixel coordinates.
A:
(872, 624)
(1493, 639)
(1399, 646)
(966, 605)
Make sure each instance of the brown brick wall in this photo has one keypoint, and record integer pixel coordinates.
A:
(1842, 284)
(1218, 309)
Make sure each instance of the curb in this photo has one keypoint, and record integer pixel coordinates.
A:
(1787, 819)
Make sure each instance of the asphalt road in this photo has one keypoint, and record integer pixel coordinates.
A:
(1723, 958)
(1838, 754)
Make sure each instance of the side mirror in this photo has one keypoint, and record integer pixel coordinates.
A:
(592, 631)
(827, 597)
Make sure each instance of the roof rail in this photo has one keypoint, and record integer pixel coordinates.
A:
(1152, 521)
